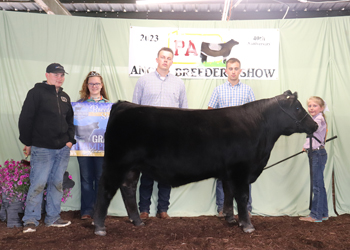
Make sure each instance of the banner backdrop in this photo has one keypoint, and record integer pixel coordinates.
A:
(90, 121)
(202, 53)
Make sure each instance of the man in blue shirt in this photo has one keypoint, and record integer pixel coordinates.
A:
(232, 93)
(161, 89)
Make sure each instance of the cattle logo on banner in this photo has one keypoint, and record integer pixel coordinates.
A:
(90, 121)
(202, 53)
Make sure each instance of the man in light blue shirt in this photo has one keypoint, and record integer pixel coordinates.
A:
(161, 89)
(232, 93)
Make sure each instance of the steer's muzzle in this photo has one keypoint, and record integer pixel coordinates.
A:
(309, 125)
(311, 129)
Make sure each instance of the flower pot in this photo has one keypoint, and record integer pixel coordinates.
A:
(10, 212)
(2, 213)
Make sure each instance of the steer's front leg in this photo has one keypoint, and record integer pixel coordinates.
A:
(228, 202)
(242, 197)
(104, 197)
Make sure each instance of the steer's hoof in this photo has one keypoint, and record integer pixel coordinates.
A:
(137, 222)
(231, 220)
(100, 232)
(248, 229)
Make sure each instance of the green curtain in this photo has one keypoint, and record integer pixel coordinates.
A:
(313, 60)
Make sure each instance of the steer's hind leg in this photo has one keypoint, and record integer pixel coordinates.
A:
(106, 191)
(242, 197)
(128, 190)
(228, 202)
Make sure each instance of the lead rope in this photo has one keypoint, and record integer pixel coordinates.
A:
(310, 163)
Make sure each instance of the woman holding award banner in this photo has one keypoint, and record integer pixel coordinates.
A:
(92, 90)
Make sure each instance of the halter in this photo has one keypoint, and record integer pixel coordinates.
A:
(291, 116)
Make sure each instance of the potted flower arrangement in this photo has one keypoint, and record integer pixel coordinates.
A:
(14, 186)
(14, 181)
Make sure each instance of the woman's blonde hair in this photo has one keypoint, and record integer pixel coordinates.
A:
(85, 93)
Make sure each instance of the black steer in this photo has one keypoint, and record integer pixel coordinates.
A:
(179, 146)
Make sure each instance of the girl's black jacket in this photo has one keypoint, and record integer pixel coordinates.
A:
(46, 119)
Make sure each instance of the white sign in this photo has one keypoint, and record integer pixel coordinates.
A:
(202, 53)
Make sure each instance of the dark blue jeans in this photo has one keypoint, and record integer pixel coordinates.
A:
(90, 173)
(146, 189)
(220, 197)
(319, 206)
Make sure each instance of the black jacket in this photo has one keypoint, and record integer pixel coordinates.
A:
(46, 119)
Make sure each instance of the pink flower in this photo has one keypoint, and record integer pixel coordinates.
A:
(19, 183)
(70, 177)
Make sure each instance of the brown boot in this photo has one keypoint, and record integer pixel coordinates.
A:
(221, 214)
(163, 215)
(144, 216)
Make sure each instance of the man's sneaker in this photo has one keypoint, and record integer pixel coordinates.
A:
(29, 228)
(60, 223)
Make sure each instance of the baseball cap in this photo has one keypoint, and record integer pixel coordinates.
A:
(55, 68)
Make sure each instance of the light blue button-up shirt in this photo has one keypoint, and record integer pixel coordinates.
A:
(154, 90)
(227, 95)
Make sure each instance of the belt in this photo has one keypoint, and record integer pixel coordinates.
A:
(320, 147)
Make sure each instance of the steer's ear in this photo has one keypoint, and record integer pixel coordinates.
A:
(287, 93)
(296, 95)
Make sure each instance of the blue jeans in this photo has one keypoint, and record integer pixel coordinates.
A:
(47, 168)
(319, 207)
(220, 197)
(146, 189)
(90, 174)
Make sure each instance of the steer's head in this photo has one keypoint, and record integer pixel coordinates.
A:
(295, 118)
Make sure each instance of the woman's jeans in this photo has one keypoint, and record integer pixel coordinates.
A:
(146, 189)
(319, 207)
(47, 168)
(90, 174)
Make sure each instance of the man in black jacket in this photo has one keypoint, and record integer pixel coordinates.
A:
(46, 129)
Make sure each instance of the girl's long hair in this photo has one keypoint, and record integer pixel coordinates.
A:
(85, 93)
